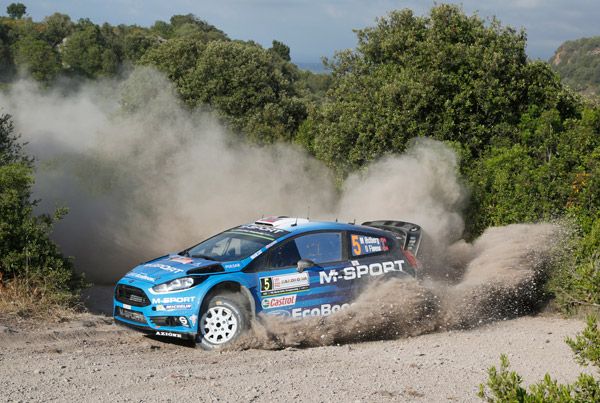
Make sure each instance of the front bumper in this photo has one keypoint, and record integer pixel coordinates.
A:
(156, 332)
(175, 315)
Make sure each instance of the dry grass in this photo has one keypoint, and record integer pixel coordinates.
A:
(30, 299)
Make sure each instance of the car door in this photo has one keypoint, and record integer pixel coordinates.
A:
(372, 257)
(313, 291)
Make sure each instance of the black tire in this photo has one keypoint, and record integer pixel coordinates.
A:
(222, 320)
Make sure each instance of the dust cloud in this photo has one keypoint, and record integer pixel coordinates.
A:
(462, 285)
(420, 186)
(497, 277)
(143, 176)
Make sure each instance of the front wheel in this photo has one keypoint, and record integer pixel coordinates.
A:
(222, 320)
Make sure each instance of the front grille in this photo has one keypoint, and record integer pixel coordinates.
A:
(127, 294)
(128, 314)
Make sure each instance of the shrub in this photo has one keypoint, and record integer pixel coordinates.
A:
(505, 385)
(31, 264)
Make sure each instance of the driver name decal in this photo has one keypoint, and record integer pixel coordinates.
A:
(363, 244)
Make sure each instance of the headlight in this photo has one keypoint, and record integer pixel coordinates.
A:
(175, 285)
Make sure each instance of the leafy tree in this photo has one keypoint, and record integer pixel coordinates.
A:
(16, 11)
(37, 57)
(6, 57)
(192, 27)
(248, 85)
(447, 76)
(281, 49)
(177, 58)
(163, 29)
(83, 51)
(317, 84)
(83, 23)
(124, 43)
(26, 251)
(56, 28)
(10, 148)
(135, 44)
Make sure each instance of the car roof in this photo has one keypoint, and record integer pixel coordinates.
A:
(300, 225)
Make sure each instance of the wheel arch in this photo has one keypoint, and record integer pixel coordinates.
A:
(232, 287)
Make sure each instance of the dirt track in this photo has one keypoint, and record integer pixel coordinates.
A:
(92, 360)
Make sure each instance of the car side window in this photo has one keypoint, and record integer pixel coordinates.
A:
(365, 245)
(320, 247)
(284, 255)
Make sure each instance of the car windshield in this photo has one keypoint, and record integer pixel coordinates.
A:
(228, 246)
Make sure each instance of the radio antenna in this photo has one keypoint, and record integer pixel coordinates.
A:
(308, 214)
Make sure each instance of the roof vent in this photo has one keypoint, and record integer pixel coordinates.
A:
(281, 221)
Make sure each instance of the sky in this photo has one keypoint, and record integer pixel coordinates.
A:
(316, 28)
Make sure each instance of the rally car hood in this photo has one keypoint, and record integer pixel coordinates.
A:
(174, 266)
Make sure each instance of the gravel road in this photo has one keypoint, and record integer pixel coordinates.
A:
(90, 359)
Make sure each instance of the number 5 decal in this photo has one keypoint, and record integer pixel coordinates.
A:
(356, 246)
(265, 283)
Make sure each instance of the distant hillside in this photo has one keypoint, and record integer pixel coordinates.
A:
(578, 63)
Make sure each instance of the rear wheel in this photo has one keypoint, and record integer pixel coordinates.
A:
(222, 320)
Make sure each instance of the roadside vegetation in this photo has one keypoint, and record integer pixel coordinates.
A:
(529, 146)
(35, 278)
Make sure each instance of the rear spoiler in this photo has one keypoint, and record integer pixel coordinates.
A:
(411, 233)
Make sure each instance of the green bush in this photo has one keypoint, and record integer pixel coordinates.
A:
(27, 254)
(505, 385)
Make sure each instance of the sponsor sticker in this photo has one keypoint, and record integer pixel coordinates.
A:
(263, 231)
(169, 334)
(164, 267)
(181, 259)
(232, 265)
(131, 315)
(271, 220)
(280, 313)
(172, 300)
(141, 276)
(322, 310)
(173, 307)
(286, 283)
(278, 302)
(354, 272)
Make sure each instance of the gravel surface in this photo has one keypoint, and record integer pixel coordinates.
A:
(92, 360)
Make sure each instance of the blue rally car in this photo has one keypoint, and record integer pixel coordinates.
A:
(282, 266)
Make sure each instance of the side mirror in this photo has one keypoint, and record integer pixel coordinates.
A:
(304, 264)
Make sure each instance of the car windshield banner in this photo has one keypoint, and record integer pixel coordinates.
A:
(262, 231)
